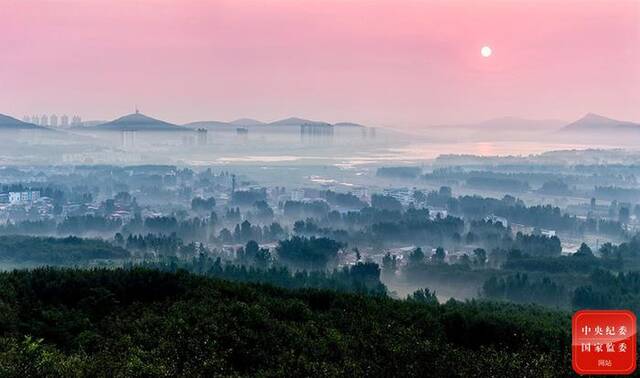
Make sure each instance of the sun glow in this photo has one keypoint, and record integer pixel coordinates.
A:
(486, 51)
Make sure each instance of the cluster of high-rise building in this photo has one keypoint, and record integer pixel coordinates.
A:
(18, 198)
(202, 137)
(316, 129)
(24, 197)
(54, 121)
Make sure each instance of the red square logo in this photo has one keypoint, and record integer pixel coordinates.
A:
(603, 342)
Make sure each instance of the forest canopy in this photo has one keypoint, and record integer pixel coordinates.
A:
(124, 322)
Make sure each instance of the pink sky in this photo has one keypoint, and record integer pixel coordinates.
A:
(406, 64)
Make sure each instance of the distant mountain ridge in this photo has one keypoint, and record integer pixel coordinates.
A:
(207, 125)
(138, 122)
(591, 123)
(93, 123)
(508, 123)
(596, 123)
(348, 124)
(589, 129)
(496, 129)
(244, 122)
(295, 121)
(523, 123)
(10, 123)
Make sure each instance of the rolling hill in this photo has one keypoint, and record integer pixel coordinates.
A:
(504, 123)
(348, 124)
(140, 322)
(209, 125)
(591, 123)
(249, 122)
(10, 123)
(218, 125)
(138, 122)
(295, 121)
(246, 122)
(503, 128)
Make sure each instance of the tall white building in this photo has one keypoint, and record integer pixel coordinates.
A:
(16, 198)
(44, 120)
(64, 121)
(53, 120)
(297, 195)
(76, 121)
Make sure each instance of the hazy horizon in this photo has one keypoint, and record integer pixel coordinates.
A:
(490, 188)
(372, 63)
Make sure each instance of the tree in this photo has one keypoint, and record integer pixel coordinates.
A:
(480, 256)
(445, 191)
(416, 257)
(389, 263)
(263, 213)
(119, 239)
(423, 296)
(366, 273)
(439, 255)
(584, 251)
(203, 205)
(248, 197)
(109, 206)
(471, 238)
(213, 219)
(607, 250)
(624, 214)
(384, 202)
(108, 320)
(357, 252)
(251, 248)
(262, 258)
(311, 253)
(246, 232)
(123, 197)
(225, 235)
(419, 197)
(276, 232)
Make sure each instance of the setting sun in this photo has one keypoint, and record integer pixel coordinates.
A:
(486, 51)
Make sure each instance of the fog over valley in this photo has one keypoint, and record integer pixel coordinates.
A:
(319, 189)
